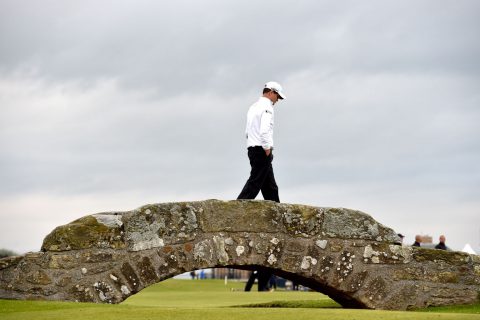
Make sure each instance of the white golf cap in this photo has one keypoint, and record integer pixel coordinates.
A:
(275, 86)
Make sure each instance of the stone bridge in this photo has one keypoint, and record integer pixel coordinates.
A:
(343, 253)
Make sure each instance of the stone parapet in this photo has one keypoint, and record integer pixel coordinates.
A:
(344, 253)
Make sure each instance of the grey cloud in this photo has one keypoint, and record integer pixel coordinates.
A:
(173, 46)
(149, 97)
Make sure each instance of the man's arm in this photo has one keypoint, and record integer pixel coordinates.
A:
(266, 124)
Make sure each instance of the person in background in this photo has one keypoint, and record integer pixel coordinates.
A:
(400, 236)
(441, 244)
(272, 283)
(418, 240)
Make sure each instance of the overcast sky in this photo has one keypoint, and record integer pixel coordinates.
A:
(110, 105)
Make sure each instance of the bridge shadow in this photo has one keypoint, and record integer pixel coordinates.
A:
(339, 297)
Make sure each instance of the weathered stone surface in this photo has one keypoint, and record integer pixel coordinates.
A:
(39, 277)
(344, 253)
(96, 231)
(9, 261)
(350, 224)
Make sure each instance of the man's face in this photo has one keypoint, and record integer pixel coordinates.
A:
(273, 96)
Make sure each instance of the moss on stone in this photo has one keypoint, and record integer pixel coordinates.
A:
(302, 220)
(407, 274)
(83, 233)
(9, 261)
(240, 216)
(39, 277)
(425, 254)
(448, 277)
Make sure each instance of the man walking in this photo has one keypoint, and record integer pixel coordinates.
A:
(259, 134)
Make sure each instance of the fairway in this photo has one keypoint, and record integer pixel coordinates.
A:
(212, 299)
(214, 293)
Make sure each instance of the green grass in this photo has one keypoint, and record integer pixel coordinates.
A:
(212, 293)
(211, 299)
(475, 309)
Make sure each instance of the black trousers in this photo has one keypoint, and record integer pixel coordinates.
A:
(261, 179)
(261, 176)
(264, 278)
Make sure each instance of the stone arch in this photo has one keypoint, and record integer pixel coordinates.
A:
(344, 253)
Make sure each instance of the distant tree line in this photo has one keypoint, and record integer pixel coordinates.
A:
(7, 253)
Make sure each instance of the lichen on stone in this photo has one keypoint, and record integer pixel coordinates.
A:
(271, 259)
(203, 251)
(275, 241)
(220, 251)
(302, 220)
(351, 224)
(109, 220)
(403, 251)
(105, 291)
(308, 262)
(321, 243)
(240, 250)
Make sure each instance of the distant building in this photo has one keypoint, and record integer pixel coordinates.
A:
(220, 273)
(426, 239)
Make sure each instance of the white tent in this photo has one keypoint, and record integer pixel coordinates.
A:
(468, 249)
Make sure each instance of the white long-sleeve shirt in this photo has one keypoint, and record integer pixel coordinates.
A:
(259, 129)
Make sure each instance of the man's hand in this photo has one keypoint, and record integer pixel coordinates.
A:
(268, 151)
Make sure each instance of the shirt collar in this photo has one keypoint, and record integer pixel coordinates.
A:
(266, 100)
